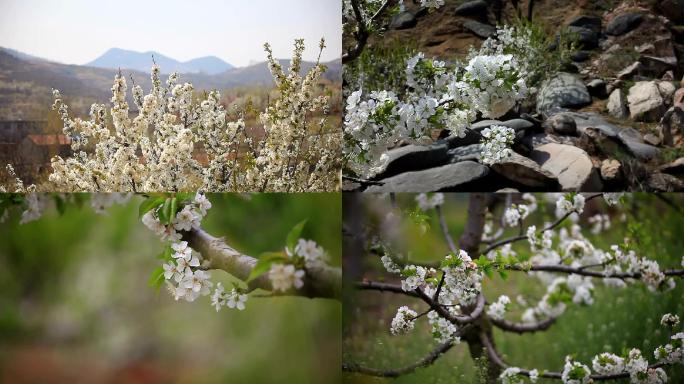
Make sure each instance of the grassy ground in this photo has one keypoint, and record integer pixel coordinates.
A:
(619, 318)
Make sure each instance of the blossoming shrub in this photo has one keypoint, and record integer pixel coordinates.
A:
(154, 150)
(438, 94)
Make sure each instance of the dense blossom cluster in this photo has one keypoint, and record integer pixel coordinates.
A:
(436, 95)
(160, 148)
(184, 278)
(403, 321)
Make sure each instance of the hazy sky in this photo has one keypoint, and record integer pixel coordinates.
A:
(78, 31)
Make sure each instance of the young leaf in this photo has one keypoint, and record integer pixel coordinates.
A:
(165, 212)
(150, 204)
(293, 236)
(264, 262)
(156, 278)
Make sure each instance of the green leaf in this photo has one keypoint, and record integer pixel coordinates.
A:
(166, 255)
(156, 278)
(165, 212)
(293, 236)
(503, 274)
(264, 262)
(174, 208)
(150, 204)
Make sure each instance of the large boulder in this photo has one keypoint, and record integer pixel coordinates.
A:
(413, 157)
(476, 9)
(562, 124)
(634, 142)
(617, 104)
(524, 171)
(561, 91)
(480, 29)
(657, 66)
(587, 38)
(468, 152)
(646, 102)
(590, 22)
(570, 165)
(624, 23)
(450, 177)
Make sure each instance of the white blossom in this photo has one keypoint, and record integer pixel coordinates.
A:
(403, 321)
(284, 277)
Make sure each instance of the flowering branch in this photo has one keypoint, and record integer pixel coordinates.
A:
(320, 281)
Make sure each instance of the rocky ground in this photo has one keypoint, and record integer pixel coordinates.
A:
(613, 121)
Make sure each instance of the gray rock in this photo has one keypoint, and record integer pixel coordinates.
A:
(673, 168)
(517, 124)
(587, 38)
(571, 165)
(536, 140)
(632, 139)
(562, 124)
(672, 123)
(630, 71)
(580, 56)
(624, 23)
(646, 102)
(611, 170)
(450, 177)
(662, 182)
(480, 29)
(403, 20)
(657, 66)
(465, 153)
(597, 88)
(413, 157)
(482, 124)
(617, 104)
(562, 91)
(652, 139)
(590, 22)
(522, 170)
(477, 8)
(586, 120)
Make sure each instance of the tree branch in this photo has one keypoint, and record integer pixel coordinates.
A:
(323, 282)
(541, 231)
(445, 230)
(362, 32)
(584, 272)
(498, 360)
(523, 327)
(424, 362)
(384, 287)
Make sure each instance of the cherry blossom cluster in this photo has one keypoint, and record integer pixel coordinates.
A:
(183, 274)
(436, 95)
(427, 202)
(158, 149)
(460, 287)
(609, 364)
(290, 273)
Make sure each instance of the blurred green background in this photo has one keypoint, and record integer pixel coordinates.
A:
(75, 306)
(619, 318)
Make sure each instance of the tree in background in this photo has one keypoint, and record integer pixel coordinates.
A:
(559, 255)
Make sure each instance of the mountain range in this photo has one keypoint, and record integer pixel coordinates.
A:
(142, 61)
(26, 81)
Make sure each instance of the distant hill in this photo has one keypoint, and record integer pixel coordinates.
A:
(142, 61)
(25, 82)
